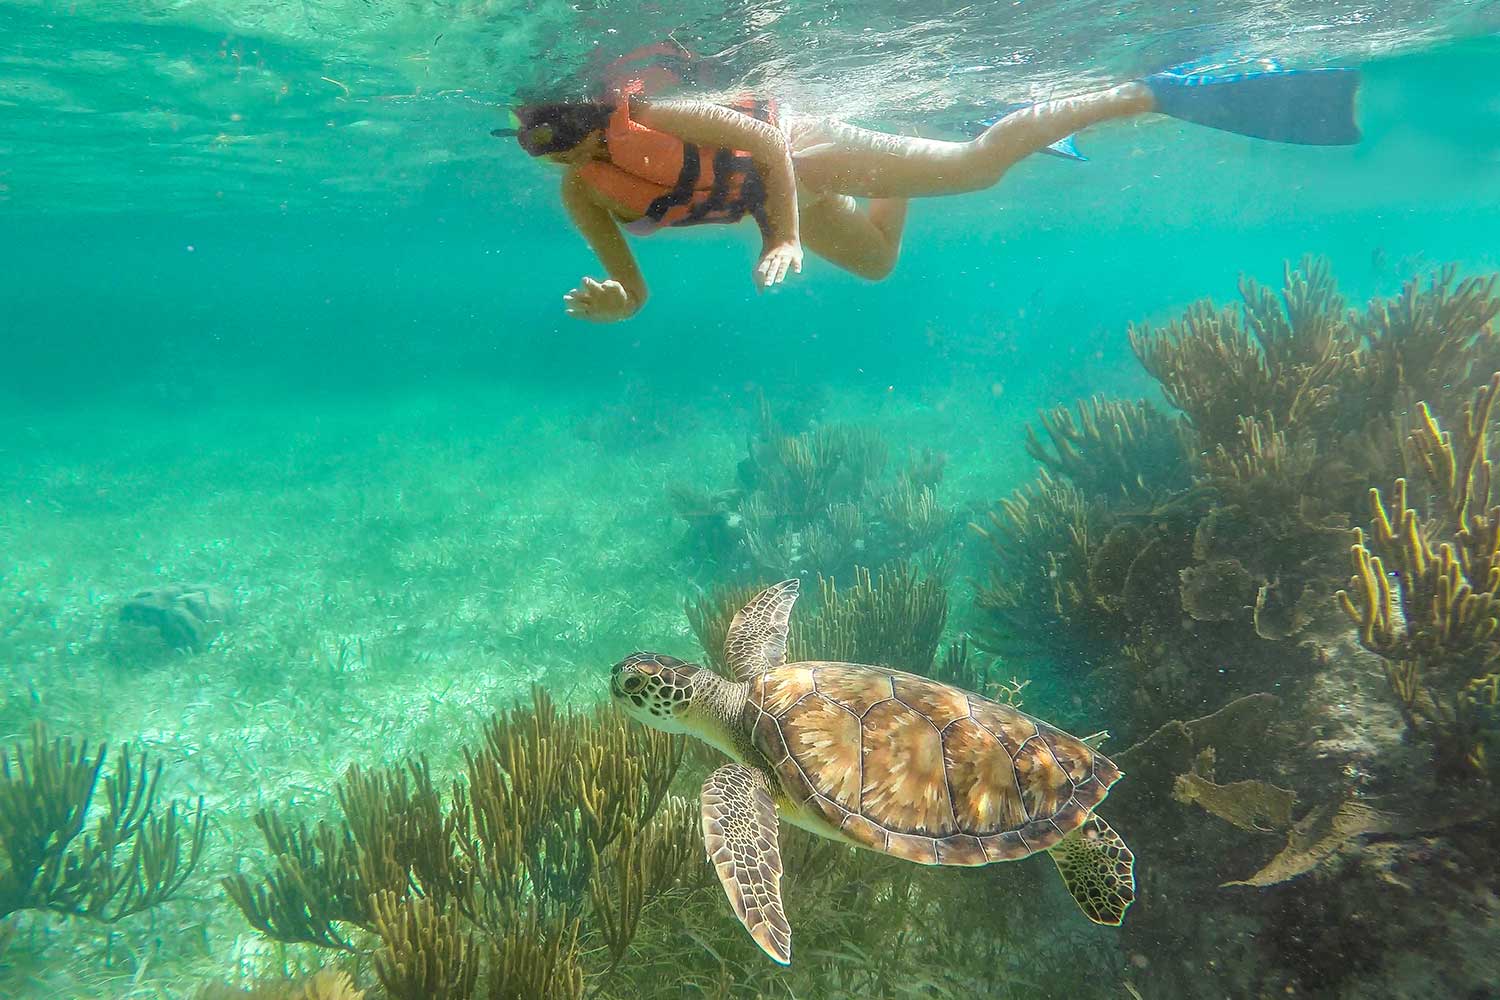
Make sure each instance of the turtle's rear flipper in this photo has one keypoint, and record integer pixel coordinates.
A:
(1098, 870)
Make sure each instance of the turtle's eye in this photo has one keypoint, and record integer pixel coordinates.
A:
(631, 683)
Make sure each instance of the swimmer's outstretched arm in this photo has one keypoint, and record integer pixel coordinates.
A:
(624, 293)
(713, 125)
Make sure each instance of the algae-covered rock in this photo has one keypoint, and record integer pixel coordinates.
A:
(188, 616)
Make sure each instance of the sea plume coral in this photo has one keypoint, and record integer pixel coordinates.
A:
(501, 884)
(65, 852)
(1281, 358)
(823, 500)
(1115, 450)
(1436, 619)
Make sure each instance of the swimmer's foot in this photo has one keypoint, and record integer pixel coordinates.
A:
(1309, 106)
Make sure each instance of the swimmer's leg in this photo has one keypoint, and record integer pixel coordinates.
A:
(1031, 129)
(863, 243)
(868, 164)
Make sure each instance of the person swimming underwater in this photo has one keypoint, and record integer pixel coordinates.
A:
(641, 165)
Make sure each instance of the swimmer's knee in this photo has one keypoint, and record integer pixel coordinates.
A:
(981, 166)
(989, 175)
(879, 268)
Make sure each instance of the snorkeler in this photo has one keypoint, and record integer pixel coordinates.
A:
(642, 164)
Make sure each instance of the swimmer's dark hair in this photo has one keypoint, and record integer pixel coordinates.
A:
(558, 126)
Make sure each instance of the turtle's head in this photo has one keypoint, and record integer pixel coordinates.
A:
(654, 689)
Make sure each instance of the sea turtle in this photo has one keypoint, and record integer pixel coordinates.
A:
(876, 758)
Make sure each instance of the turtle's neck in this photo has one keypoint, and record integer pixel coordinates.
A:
(714, 715)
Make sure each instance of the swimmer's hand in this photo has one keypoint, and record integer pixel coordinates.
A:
(606, 303)
(776, 261)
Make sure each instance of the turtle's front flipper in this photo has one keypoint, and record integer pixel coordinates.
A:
(756, 641)
(739, 830)
(1098, 870)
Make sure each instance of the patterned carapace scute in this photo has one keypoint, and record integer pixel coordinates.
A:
(919, 769)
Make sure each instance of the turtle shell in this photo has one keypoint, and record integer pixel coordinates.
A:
(922, 770)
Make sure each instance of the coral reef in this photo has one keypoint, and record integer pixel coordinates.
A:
(1302, 363)
(1283, 823)
(1333, 903)
(499, 892)
(1433, 340)
(1042, 540)
(1278, 396)
(1068, 577)
(1279, 360)
(892, 618)
(1279, 519)
(819, 501)
(960, 667)
(1168, 537)
(134, 855)
(1435, 624)
(1301, 844)
(509, 883)
(1114, 450)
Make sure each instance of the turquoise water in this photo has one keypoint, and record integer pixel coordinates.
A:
(280, 316)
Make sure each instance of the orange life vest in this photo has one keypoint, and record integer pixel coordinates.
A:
(674, 183)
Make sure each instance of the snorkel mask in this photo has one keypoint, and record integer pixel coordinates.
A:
(553, 128)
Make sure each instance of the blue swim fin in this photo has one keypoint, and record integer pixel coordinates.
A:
(1310, 106)
(1067, 148)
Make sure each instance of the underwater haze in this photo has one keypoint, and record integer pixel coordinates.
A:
(322, 522)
